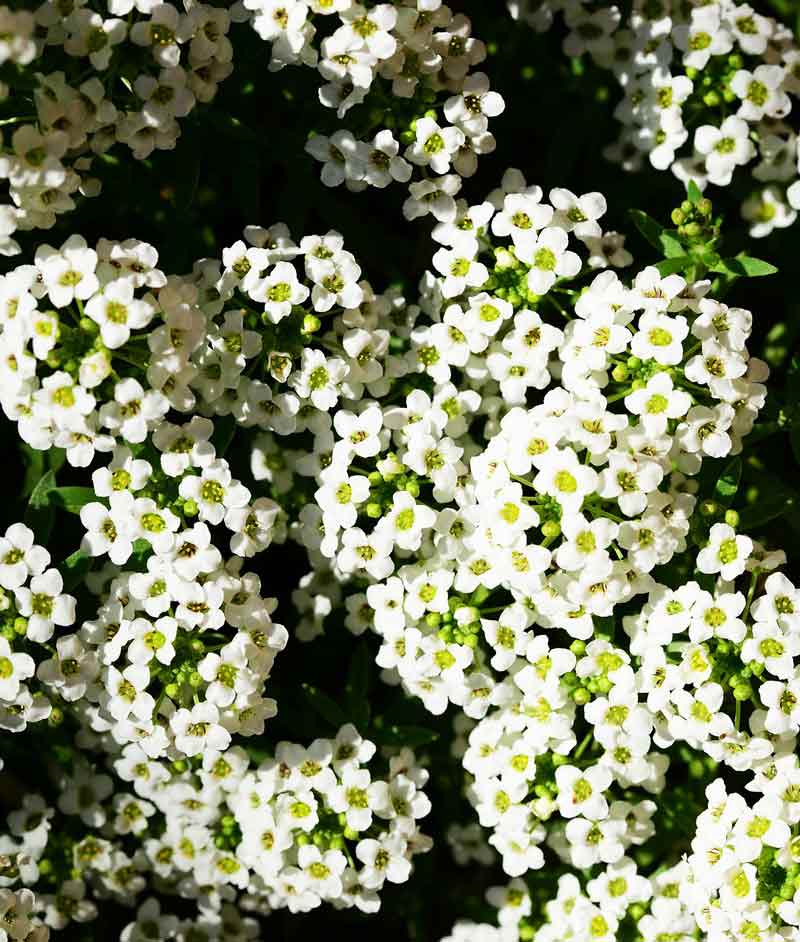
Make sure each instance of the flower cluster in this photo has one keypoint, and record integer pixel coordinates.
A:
(502, 482)
(124, 74)
(308, 825)
(17, 909)
(503, 524)
(707, 88)
(101, 352)
(410, 63)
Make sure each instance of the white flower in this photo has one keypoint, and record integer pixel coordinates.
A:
(69, 272)
(198, 730)
(578, 214)
(279, 291)
(108, 530)
(725, 553)
(580, 792)
(434, 146)
(724, 148)
(15, 667)
(549, 259)
(20, 557)
(318, 378)
(475, 105)
(44, 605)
(215, 491)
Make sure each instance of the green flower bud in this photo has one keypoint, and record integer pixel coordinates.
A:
(742, 692)
(551, 529)
(56, 717)
(195, 680)
(374, 510)
(731, 518)
(311, 324)
(581, 696)
(697, 769)
(190, 508)
(620, 373)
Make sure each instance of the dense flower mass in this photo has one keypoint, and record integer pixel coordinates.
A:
(708, 88)
(424, 575)
(124, 73)
(413, 58)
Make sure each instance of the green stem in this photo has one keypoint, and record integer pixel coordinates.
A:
(588, 738)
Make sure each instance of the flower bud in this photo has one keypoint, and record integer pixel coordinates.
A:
(551, 529)
(311, 324)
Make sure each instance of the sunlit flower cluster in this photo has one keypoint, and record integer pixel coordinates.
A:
(412, 63)
(123, 74)
(708, 88)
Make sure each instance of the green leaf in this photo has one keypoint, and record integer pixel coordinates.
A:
(671, 246)
(40, 495)
(665, 240)
(693, 193)
(74, 568)
(34, 468)
(776, 503)
(648, 227)
(357, 685)
(412, 736)
(56, 458)
(40, 513)
(744, 267)
(728, 482)
(327, 708)
(671, 265)
(73, 498)
(792, 388)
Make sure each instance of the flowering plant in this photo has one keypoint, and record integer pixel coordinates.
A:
(417, 562)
